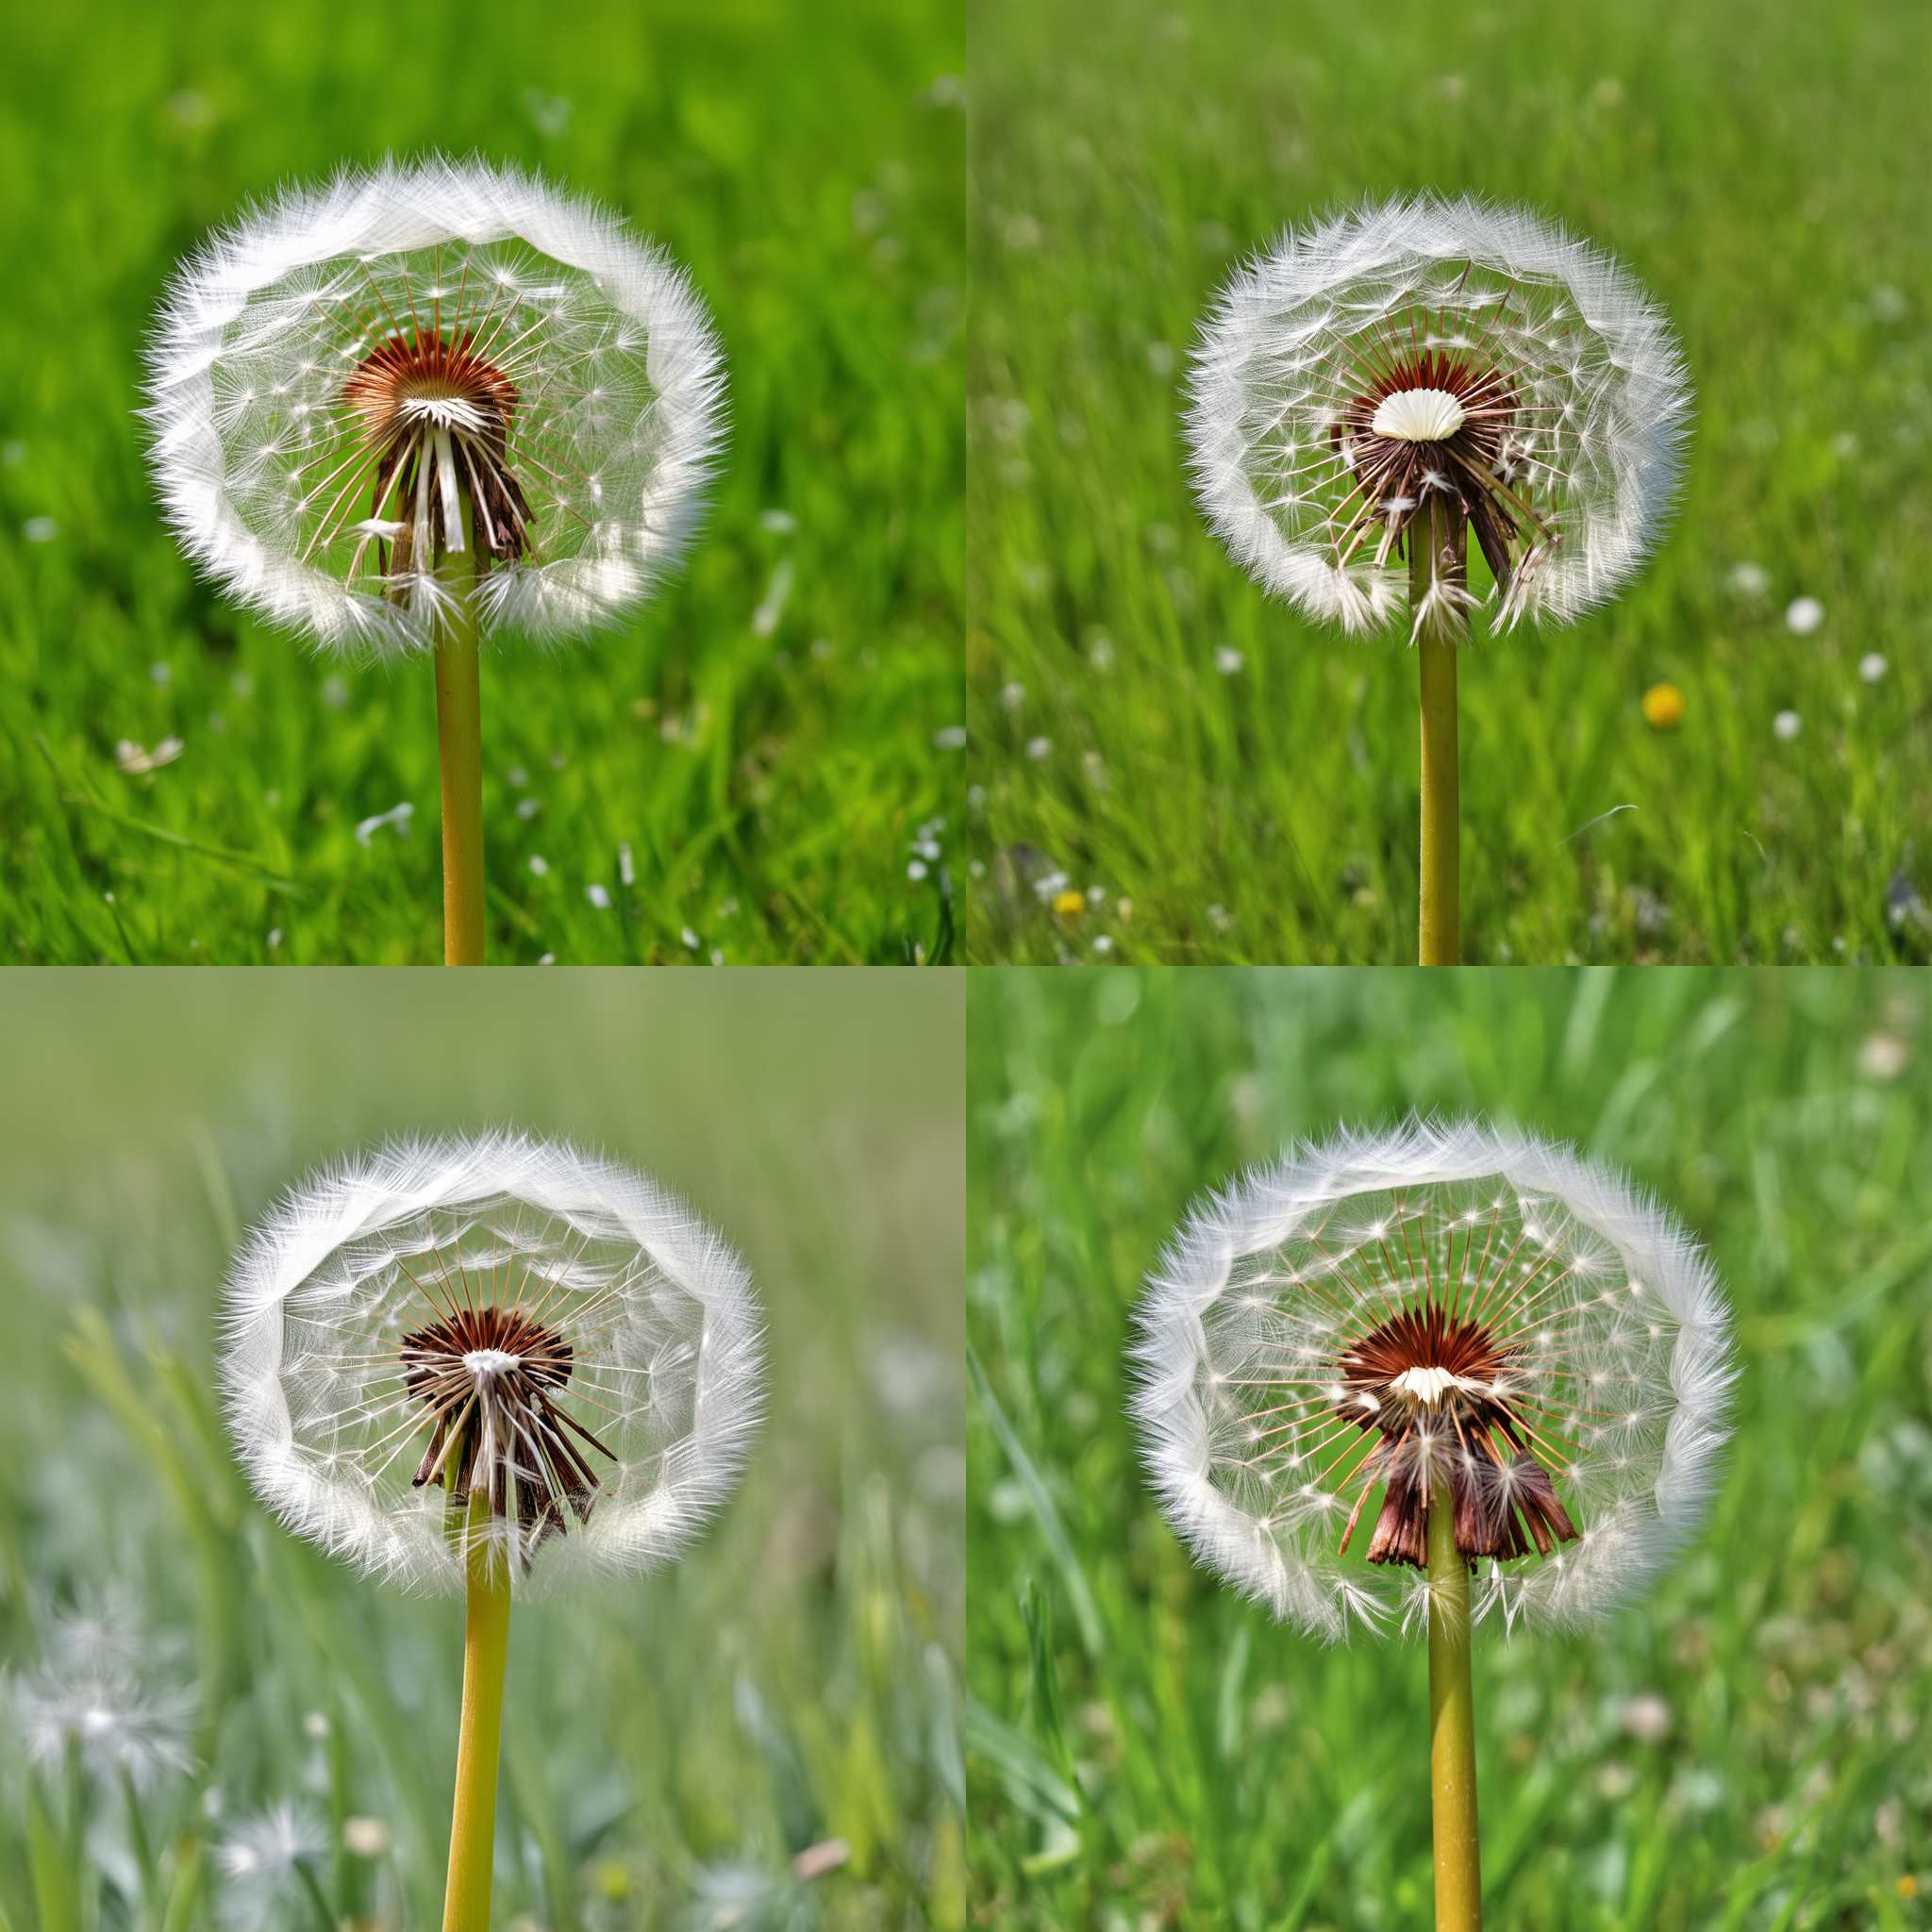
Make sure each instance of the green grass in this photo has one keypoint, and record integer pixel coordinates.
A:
(767, 776)
(1146, 1750)
(1759, 171)
(673, 1744)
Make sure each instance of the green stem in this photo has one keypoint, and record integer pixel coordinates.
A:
(142, 1847)
(459, 736)
(1435, 550)
(486, 1648)
(1452, 1730)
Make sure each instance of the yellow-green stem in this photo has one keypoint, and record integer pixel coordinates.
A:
(1435, 552)
(1452, 1730)
(486, 1646)
(459, 737)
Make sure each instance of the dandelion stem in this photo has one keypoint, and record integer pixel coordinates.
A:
(486, 1646)
(1435, 557)
(460, 735)
(1452, 1730)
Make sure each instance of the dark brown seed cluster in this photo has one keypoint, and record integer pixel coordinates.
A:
(489, 1382)
(1432, 1384)
(425, 401)
(1475, 468)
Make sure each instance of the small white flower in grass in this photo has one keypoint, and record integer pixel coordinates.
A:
(1786, 725)
(1750, 580)
(1871, 667)
(1426, 352)
(413, 362)
(367, 1837)
(503, 1319)
(1228, 660)
(599, 896)
(1804, 615)
(40, 529)
(397, 816)
(1437, 1306)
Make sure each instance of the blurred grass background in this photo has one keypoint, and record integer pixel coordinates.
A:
(672, 1745)
(761, 741)
(1745, 1748)
(1176, 768)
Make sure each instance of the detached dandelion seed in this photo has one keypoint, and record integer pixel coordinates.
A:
(423, 405)
(498, 1365)
(1424, 1377)
(1379, 388)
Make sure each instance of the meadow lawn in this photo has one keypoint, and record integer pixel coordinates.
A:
(747, 771)
(1169, 766)
(1745, 1747)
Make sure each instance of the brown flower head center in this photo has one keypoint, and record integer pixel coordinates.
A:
(1443, 424)
(435, 415)
(491, 1382)
(1439, 1392)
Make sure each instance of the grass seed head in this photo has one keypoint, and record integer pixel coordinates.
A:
(1426, 350)
(1439, 1316)
(357, 382)
(499, 1341)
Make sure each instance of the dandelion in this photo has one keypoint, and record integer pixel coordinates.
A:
(1401, 1371)
(1380, 388)
(1786, 725)
(93, 1713)
(267, 1862)
(97, 1708)
(1871, 667)
(420, 405)
(1804, 615)
(497, 1366)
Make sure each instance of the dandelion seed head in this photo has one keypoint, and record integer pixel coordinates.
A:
(1439, 1315)
(499, 1341)
(1424, 349)
(93, 1695)
(357, 382)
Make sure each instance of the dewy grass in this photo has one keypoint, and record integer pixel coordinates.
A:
(489, 1367)
(428, 403)
(1383, 384)
(1525, 1360)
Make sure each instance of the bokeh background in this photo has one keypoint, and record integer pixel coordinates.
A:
(1744, 1748)
(1176, 768)
(763, 1737)
(748, 769)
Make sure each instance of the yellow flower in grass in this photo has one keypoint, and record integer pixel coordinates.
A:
(1663, 708)
(1069, 904)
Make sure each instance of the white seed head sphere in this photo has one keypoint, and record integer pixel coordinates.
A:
(502, 1322)
(1448, 1312)
(1427, 346)
(420, 383)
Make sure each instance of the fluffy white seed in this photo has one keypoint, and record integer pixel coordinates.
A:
(1601, 401)
(665, 1356)
(1622, 1339)
(618, 424)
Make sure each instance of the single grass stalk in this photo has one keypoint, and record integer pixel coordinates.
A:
(486, 1650)
(460, 738)
(1452, 1730)
(1436, 574)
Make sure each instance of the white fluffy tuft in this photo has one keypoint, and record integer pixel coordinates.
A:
(1254, 1282)
(1594, 360)
(667, 1347)
(621, 416)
